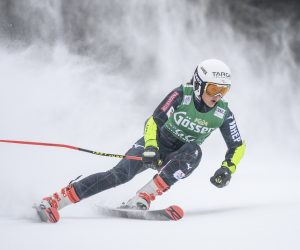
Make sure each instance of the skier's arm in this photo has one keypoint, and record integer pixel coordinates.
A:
(235, 145)
(235, 152)
(161, 115)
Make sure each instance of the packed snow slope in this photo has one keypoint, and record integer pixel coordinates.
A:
(89, 73)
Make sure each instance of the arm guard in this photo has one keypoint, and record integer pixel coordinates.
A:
(150, 133)
(235, 159)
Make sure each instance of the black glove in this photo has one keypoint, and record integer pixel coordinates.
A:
(151, 157)
(221, 177)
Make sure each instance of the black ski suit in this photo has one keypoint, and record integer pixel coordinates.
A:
(179, 159)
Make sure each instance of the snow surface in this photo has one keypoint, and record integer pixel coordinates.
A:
(49, 94)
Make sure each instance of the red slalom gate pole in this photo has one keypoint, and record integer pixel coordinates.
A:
(128, 157)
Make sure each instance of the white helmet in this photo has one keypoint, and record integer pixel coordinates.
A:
(212, 71)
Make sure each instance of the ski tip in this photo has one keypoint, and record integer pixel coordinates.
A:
(175, 212)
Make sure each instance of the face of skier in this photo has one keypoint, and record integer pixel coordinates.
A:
(210, 101)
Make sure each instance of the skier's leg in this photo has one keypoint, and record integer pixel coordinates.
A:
(124, 171)
(181, 163)
(176, 166)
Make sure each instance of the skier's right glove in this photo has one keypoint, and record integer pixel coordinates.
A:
(221, 177)
(151, 157)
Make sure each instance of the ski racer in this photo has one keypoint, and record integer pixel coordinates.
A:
(170, 145)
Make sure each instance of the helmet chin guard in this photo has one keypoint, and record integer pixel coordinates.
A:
(212, 71)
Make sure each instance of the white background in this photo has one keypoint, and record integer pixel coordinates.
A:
(50, 94)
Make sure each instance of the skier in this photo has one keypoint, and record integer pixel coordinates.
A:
(170, 145)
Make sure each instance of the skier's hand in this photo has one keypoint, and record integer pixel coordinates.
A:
(221, 177)
(151, 157)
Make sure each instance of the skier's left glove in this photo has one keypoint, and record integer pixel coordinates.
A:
(221, 177)
(151, 157)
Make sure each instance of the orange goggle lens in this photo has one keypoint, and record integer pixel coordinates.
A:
(214, 89)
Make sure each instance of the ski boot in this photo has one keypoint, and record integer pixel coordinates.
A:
(146, 194)
(49, 206)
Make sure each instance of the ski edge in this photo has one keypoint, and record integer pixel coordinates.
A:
(171, 213)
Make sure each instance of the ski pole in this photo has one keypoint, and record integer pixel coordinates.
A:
(129, 157)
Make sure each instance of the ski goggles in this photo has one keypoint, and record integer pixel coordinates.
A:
(214, 89)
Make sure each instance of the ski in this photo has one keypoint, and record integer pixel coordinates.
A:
(170, 213)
